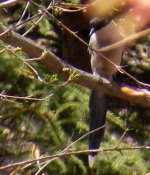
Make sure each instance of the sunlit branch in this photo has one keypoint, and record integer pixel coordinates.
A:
(9, 3)
(20, 24)
(24, 62)
(61, 155)
(57, 66)
(36, 23)
(64, 7)
(24, 12)
(26, 98)
(126, 40)
(49, 15)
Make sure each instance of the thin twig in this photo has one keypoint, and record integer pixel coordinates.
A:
(122, 137)
(36, 23)
(126, 40)
(9, 3)
(49, 15)
(25, 62)
(135, 36)
(85, 135)
(78, 8)
(24, 12)
(27, 98)
(64, 153)
(35, 72)
(134, 79)
(61, 155)
(21, 23)
(67, 148)
(46, 164)
(57, 66)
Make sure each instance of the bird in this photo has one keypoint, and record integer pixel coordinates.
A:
(103, 32)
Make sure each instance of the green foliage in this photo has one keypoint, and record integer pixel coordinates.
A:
(116, 163)
(31, 128)
(48, 126)
(44, 26)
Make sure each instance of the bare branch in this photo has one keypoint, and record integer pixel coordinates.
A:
(126, 40)
(85, 135)
(27, 98)
(49, 15)
(36, 23)
(67, 148)
(24, 12)
(133, 37)
(64, 7)
(61, 155)
(67, 152)
(9, 3)
(122, 137)
(57, 66)
(19, 24)
(24, 62)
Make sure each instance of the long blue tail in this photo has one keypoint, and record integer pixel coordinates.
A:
(98, 109)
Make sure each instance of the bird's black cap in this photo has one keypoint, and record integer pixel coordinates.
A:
(97, 23)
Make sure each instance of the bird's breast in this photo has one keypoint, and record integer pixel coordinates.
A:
(99, 61)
